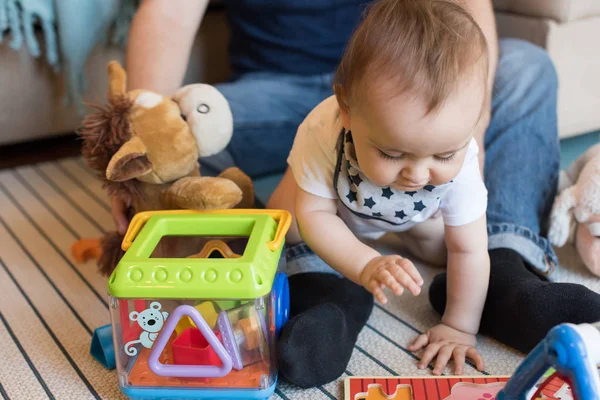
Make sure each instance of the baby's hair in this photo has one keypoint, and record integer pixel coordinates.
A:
(423, 46)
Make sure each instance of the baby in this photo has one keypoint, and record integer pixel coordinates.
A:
(391, 151)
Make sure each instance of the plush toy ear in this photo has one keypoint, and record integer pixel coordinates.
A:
(129, 162)
(117, 80)
(582, 214)
(561, 217)
(208, 114)
(134, 315)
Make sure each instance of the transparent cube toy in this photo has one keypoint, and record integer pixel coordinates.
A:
(193, 316)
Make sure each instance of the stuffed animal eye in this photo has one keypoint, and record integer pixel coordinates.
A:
(183, 117)
(203, 109)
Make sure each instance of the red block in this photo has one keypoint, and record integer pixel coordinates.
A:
(192, 348)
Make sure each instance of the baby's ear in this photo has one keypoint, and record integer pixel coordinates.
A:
(342, 99)
(129, 162)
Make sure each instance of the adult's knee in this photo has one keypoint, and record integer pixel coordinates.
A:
(526, 70)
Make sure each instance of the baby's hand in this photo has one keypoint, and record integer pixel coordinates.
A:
(392, 271)
(446, 342)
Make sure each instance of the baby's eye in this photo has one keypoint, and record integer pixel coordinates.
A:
(446, 158)
(390, 158)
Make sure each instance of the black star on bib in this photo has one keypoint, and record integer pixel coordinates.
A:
(369, 202)
(387, 193)
(400, 214)
(356, 179)
(419, 206)
(351, 196)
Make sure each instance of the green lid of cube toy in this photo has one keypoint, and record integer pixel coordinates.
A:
(248, 276)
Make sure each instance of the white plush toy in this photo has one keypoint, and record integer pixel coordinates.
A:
(579, 197)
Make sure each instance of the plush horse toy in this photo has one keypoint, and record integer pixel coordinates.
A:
(145, 148)
(576, 211)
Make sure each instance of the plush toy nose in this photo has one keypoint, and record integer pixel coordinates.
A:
(151, 322)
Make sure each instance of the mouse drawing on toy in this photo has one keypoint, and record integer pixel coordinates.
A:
(151, 321)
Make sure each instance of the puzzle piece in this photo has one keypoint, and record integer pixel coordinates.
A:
(376, 392)
(473, 391)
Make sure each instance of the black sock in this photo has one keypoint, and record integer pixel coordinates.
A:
(327, 314)
(521, 307)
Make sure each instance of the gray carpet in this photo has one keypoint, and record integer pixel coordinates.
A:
(50, 305)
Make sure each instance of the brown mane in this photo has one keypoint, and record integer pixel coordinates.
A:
(103, 133)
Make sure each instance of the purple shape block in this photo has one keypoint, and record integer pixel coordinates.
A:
(188, 371)
(229, 340)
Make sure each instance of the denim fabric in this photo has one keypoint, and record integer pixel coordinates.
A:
(522, 146)
(267, 109)
(522, 154)
(300, 258)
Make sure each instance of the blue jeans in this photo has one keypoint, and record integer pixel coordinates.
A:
(522, 147)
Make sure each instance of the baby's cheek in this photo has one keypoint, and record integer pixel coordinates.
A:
(444, 174)
(381, 174)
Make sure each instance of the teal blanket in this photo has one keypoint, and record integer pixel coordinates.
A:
(71, 29)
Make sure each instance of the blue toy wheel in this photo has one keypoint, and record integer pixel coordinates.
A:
(281, 300)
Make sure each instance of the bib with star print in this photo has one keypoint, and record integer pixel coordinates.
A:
(370, 201)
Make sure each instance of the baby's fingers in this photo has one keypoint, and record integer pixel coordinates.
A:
(420, 342)
(411, 270)
(474, 356)
(428, 355)
(442, 359)
(377, 289)
(404, 278)
(459, 359)
(385, 277)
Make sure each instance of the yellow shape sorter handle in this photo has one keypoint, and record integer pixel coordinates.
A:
(283, 219)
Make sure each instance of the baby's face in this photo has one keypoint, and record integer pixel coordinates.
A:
(397, 144)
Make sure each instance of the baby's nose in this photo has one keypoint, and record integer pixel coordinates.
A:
(415, 176)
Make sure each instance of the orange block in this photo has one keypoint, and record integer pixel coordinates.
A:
(251, 332)
(85, 249)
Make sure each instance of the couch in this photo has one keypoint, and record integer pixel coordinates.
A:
(570, 31)
(31, 95)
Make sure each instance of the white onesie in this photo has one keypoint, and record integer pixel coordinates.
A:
(324, 164)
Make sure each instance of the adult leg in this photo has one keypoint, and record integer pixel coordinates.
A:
(521, 170)
(267, 109)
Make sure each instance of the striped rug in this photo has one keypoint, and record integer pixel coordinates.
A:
(50, 305)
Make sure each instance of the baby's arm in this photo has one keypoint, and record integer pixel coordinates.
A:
(468, 277)
(330, 238)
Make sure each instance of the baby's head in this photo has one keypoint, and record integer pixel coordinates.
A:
(412, 86)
